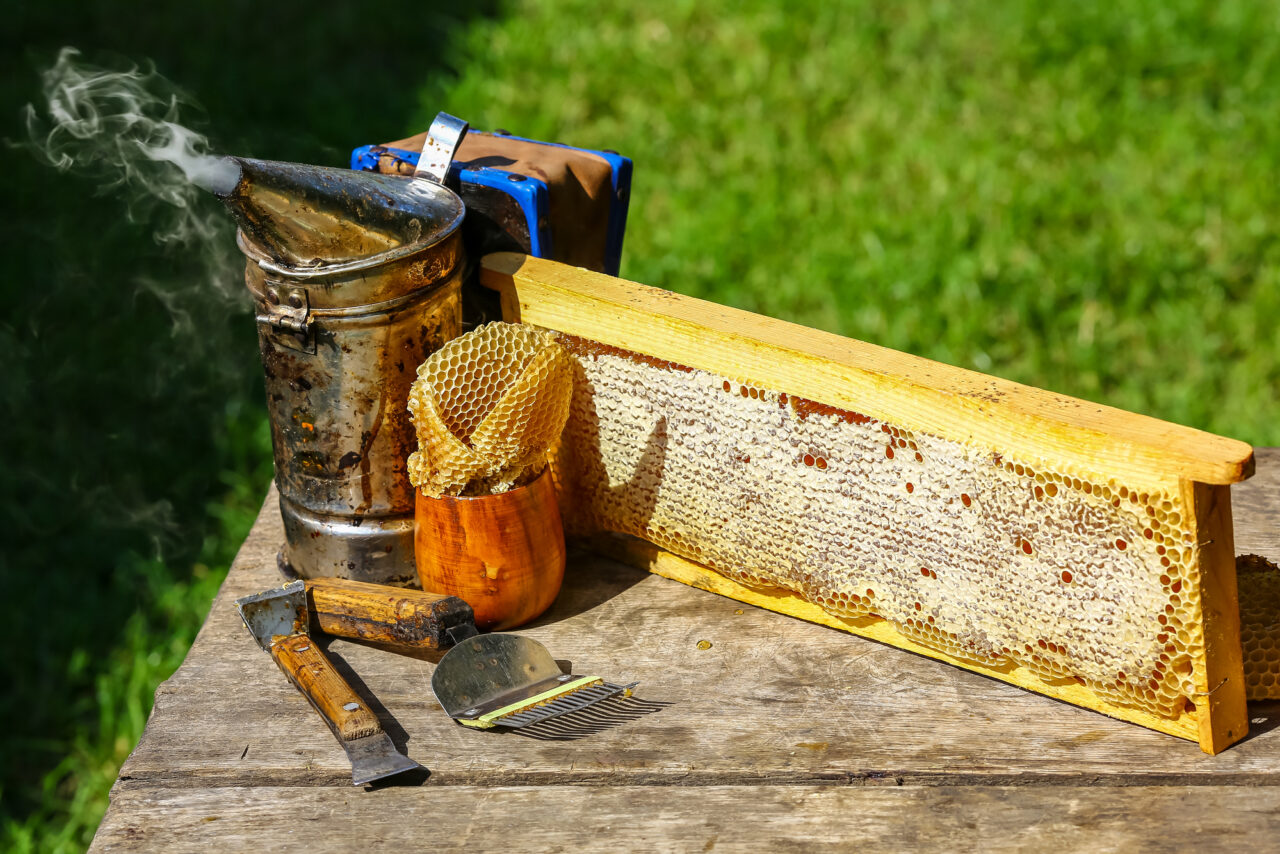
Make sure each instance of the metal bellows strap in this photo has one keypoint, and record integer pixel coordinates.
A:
(443, 138)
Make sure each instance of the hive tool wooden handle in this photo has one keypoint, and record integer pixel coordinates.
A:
(395, 616)
(314, 675)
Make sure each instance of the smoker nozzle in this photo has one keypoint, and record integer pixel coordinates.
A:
(313, 217)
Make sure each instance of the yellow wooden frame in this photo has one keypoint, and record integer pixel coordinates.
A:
(942, 400)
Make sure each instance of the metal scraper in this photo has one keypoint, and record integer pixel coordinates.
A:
(508, 680)
(278, 620)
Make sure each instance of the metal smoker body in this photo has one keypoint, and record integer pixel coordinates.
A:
(356, 280)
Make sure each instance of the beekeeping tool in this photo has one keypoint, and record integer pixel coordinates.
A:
(503, 680)
(483, 681)
(397, 617)
(278, 621)
(355, 279)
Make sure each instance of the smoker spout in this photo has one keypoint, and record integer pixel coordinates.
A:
(306, 217)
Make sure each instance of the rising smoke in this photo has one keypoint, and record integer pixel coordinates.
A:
(121, 128)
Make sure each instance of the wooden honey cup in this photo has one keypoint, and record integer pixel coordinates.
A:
(501, 554)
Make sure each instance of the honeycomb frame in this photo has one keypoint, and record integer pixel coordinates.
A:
(1071, 549)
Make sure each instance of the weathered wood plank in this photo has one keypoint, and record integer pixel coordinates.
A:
(233, 758)
(1255, 508)
(716, 818)
(772, 699)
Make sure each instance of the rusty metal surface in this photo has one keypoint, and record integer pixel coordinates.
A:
(300, 217)
(341, 433)
(275, 613)
(341, 336)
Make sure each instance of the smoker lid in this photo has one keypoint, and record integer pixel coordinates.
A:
(303, 220)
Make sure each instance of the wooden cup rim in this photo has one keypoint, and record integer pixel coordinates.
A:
(510, 492)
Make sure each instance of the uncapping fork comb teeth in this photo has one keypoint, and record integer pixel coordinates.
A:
(507, 680)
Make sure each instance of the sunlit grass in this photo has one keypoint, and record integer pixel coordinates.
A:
(1077, 196)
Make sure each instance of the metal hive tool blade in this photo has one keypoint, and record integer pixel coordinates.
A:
(374, 757)
(275, 613)
(508, 680)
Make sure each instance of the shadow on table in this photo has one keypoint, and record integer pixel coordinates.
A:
(590, 580)
(1264, 716)
(391, 726)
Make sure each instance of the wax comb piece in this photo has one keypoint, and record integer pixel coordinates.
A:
(487, 406)
(1260, 625)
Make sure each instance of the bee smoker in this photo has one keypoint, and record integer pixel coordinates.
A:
(356, 279)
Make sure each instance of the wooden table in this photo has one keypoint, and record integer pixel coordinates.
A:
(756, 732)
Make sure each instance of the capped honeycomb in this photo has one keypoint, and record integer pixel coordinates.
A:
(1002, 562)
(487, 407)
(1259, 584)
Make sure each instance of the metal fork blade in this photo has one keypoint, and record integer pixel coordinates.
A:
(571, 702)
(374, 757)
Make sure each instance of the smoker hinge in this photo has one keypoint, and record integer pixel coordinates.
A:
(288, 316)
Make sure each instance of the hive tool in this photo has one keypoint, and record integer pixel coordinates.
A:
(278, 620)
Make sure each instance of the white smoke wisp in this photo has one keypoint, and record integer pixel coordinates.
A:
(215, 174)
(122, 128)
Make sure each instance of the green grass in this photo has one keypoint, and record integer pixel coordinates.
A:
(71, 797)
(1080, 196)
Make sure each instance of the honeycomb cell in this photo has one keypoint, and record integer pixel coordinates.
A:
(487, 407)
(1258, 580)
(994, 561)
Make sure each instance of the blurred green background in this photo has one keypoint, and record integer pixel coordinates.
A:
(1078, 196)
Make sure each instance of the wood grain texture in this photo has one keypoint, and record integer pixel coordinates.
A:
(504, 555)
(774, 708)
(917, 393)
(1255, 509)
(394, 616)
(308, 669)
(714, 818)
(1220, 685)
